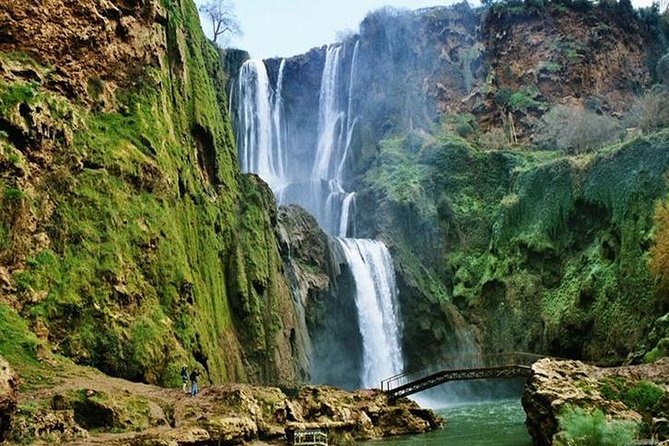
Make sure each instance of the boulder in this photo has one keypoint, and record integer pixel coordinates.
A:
(52, 426)
(554, 384)
(229, 430)
(9, 383)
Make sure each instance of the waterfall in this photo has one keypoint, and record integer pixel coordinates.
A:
(265, 150)
(258, 139)
(350, 120)
(345, 212)
(376, 300)
(278, 123)
(330, 118)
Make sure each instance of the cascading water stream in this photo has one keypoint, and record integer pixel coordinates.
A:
(260, 148)
(376, 300)
(277, 110)
(263, 150)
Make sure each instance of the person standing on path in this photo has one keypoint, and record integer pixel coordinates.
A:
(184, 379)
(193, 381)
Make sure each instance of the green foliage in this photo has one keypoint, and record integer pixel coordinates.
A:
(642, 396)
(17, 343)
(575, 130)
(542, 201)
(524, 99)
(462, 124)
(13, 194)
(582, 428)
(16, 93)
(559, 237)
(661, 350)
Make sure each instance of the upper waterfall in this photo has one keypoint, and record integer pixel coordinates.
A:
(258, 129)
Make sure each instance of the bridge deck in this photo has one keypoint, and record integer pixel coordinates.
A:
(507, 365)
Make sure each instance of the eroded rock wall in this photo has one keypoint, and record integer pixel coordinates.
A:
(129, 240)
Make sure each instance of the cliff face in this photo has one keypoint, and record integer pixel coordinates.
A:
(129, 241)
(508, 249)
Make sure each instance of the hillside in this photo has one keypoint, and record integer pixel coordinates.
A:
(129, 240)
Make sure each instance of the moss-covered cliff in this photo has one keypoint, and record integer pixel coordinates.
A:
(129, 240)
(539, 251)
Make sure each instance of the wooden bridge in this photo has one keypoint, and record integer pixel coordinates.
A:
(460, 368)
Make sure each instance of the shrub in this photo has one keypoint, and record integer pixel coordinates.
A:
(494, 139)
(651, 111)
(663, 70)
(463, 124)
(575, 130)
(659, 252)
(524, 99)
(642, 396)
(581, 428)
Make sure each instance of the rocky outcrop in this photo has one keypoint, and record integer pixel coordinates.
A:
(49, 425)
(94, 45)
(9, 383)
(318, 275)
(230, 414)
(556, 384)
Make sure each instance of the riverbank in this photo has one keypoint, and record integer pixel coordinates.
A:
(81, 406)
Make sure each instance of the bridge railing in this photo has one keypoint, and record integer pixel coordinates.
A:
(307, 437)
(465, 362)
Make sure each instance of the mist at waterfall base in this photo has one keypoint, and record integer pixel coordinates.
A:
(301, 123)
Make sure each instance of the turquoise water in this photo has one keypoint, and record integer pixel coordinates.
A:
(498, 423)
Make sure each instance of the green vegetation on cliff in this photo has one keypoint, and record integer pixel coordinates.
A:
(540, 251)
(129, 241)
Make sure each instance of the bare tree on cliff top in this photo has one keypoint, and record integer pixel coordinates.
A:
(222, 16)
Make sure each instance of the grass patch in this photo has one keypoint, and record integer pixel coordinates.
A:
(579, 427)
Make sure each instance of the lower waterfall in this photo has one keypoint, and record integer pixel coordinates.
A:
(376, 301)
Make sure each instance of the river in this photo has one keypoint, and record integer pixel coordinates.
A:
(496, 423)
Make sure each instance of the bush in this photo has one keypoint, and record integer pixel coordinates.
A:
(462, 124)
(576, 130)
(581, 428)
(651, 111)
(659, 252)
(494, 139)
(663, 70)
(643, 396)
(524, 99)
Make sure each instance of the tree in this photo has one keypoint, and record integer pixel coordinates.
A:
(651, 111)
(222, 15)
(576, 130)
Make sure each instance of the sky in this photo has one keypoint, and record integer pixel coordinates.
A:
(288, 27)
